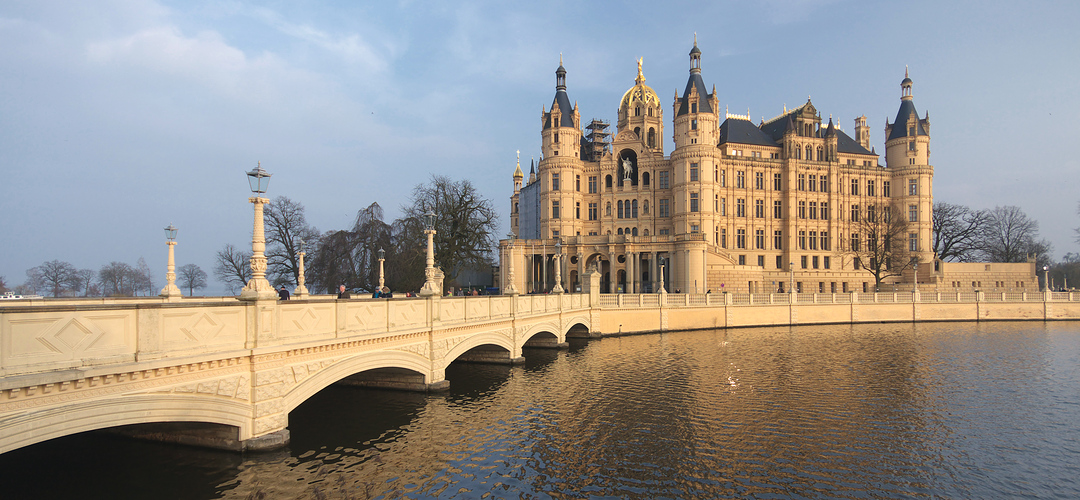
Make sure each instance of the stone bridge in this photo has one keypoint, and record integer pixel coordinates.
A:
(226, 373)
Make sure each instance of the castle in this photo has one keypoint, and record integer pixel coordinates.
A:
(790, 203)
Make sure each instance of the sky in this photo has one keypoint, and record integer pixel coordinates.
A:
(119, 117)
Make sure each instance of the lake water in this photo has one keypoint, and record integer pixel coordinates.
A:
(946, 410)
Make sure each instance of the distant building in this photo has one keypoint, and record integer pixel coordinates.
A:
(736, 206)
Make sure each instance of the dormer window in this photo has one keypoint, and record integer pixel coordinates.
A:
(693, 107)
(637, 111)
(693, 124)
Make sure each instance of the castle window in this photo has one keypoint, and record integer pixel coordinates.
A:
(913, 242)
(778, 241)
(855, 187)
(809, 153)
(913, 187)
(723, 206)
(740, 179)
(824, 210)
(650, 110)
(825, 244)
(693, 124)
(607, 182)
(740, 207)
(759, 240)
(723, 238)
(813, 240)
(577, 210)
(637, 132)
(716, 203)
(554, 209)
(645, 178)
(870, 185)
(665, 208)
(592, 184)
(759, 209)
(694, 228)
(554, 182)
(813, 183)
(693, 172)
(820, 155)
(723, 178)
(693, 202)
(813, 210)
(740, 238)
(663, 179)
(577, 183)
(911, 146)
(855, 246)
(802, 182)
(778, 210)
(637, 111)
(802, 240)
(618, 231)
(592, 211)
(823, 186)
(556, 138)
(620, 212)
(913, 213)
(885, 188)
(802, 209)
(633, 210)
(693, 107)
(854, 214)
(911, 131)
(633, 231)
(777, 182)
(871, 213)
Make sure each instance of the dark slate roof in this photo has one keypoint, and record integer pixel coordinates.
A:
(900, 126)
(695, 81)
(776, 128)
(563, 101)
(737, 131)
(845, 144)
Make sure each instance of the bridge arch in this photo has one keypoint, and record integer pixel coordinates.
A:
(353, 365)
(489, 338)
(35, 427)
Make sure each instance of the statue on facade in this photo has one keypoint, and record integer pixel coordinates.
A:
(627, 167)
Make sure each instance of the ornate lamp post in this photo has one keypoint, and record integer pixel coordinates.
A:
(382, 258)
(429, 273)
(558, 268)
(258, 288)
(1046, 278)
(170, 289)
(510, 288)
(791, 286)
(915, 267)
(301, 290)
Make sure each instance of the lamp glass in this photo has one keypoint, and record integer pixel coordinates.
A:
(170, 233)
(429, 221)
(259, 180)
(382, 254)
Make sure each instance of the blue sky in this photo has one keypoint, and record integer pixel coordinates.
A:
(120, 117)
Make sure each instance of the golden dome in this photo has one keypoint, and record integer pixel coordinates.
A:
(639, 94)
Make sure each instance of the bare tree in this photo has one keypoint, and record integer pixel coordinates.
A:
(465, 223)
(233, 267)
(56, 276)
(1077, 229)
(87, 278)
(192, 277)
(957, 231)
(118, 279)
(144, 278)
(285, 226)
(879, 246)
(1009, 236)
(3, 286)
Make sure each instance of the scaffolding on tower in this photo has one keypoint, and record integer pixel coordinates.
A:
(597, 140)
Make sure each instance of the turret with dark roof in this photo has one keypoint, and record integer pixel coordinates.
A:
(907, 123)
(695, 83)
(561, 101)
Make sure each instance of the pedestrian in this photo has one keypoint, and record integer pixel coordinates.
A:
(376, 294)
(282, 293)
(343, 293)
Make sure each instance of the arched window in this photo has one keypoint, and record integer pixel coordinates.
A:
(645, 178)
(645, 232)
(637, 132)
(633, 231)
(650, 113)
(809, 153)
(620, 231)
(637, 111)
(820, 155)
(607, 183)
(620, 209)
(652, 137)
(633, 209)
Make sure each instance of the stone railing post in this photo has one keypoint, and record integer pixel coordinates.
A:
(854, 297)
(729, 299)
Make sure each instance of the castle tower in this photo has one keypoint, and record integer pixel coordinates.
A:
(907, 155)
(516, 198)
(561, 167)
(641, 112)
(862, 132)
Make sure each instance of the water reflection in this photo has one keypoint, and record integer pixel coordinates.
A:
(955, 410)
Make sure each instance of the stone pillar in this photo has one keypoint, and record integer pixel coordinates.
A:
(613, 274)
(590, 284)
(630, 270)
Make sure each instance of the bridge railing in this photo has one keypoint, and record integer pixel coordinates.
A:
(57, 335)
(756, 299)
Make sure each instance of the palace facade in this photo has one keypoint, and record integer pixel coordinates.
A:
(789, 202)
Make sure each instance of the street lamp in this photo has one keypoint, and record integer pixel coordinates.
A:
(558, 268)
(258, 288)
(1046, 278)
(429, 273)
(301, 290)
(791, 286)
(382, 257)
(915, 267)
(170, 289)
(510, 288)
